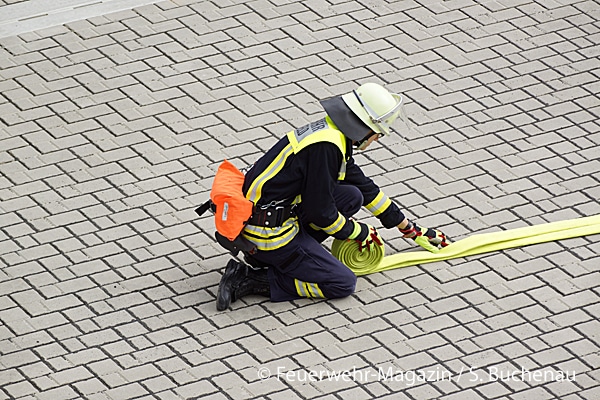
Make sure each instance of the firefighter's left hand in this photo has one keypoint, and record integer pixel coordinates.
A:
(430, 239)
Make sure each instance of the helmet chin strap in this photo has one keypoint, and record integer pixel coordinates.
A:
(364, 142)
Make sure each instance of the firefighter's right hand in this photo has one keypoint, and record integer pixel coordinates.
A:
(366, 236)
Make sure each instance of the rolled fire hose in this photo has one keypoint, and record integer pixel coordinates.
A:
(369, 262)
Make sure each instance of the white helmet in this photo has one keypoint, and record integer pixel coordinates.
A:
(375, 106)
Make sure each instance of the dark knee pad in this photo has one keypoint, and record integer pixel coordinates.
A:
(348, 199)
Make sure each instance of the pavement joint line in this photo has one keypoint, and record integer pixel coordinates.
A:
(33, 15)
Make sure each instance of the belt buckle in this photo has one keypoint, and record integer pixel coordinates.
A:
(279, 217)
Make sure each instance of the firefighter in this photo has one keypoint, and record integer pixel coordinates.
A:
(306, 188)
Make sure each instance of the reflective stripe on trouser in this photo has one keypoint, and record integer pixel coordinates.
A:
(307, 289)
(304, 268)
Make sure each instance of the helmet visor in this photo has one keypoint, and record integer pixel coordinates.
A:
(381, 120)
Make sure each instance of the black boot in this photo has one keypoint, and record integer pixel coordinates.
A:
(238, 281)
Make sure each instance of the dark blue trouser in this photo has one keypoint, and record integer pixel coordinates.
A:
(304, 268)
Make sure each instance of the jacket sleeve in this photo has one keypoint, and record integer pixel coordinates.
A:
(321, 163)
(381, 206)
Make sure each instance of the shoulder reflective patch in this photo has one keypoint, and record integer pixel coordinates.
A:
(323, 130)
(313, 127)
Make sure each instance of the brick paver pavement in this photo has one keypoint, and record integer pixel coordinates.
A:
(111, 129)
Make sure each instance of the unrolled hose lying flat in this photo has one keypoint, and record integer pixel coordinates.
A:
(374, 261)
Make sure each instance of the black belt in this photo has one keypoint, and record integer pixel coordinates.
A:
(271, 216)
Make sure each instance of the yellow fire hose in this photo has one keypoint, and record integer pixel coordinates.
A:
(369, 262)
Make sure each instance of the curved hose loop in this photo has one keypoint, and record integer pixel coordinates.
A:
(361, 263)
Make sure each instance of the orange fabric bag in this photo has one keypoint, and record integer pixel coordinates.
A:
(233, 210)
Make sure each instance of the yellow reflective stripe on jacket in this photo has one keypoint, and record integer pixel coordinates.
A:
(333, 228)
(272, 238)
(307, 289)
(255, 190)
(379, 204)
(342, 173)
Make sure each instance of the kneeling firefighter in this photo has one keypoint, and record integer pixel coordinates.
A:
(305, 189)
